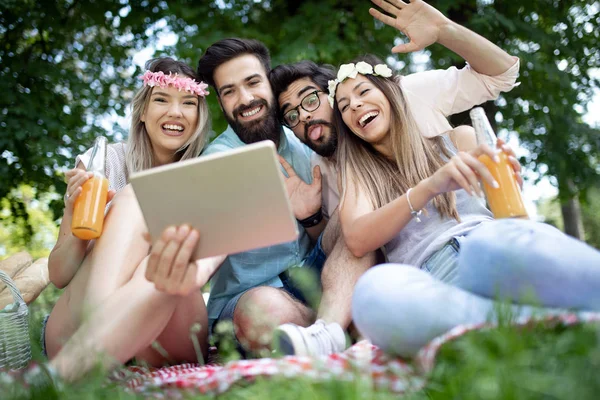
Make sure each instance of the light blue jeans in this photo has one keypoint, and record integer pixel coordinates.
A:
(400, 308)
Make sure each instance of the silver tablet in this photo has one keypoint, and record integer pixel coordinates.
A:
(236, 199)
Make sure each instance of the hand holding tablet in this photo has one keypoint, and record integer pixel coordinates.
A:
(236, 200)
(171, 266)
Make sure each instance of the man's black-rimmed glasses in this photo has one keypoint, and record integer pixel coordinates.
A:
(310, 102)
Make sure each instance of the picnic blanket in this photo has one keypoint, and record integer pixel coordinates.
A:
(361, 361)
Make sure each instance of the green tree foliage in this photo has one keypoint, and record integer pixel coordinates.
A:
(323, 31)
(13, 237)
(65, 63)
(557, 43)
(590, 210)
(555, 40)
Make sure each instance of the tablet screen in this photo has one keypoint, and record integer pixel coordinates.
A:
(236, 199)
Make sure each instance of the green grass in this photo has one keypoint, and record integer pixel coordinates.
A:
(538, 362)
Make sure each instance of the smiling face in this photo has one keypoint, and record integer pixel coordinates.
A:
(314, 128)
(171, 118)
(365, 110)
(246, 99)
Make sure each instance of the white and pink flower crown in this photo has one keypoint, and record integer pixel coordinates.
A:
(351, 70)
(163, 80)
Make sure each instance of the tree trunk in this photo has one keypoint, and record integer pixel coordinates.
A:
(571, 212)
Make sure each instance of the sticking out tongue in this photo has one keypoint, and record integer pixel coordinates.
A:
(315, 133)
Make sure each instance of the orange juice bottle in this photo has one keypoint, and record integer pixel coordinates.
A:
(88, 210)
(506, 200)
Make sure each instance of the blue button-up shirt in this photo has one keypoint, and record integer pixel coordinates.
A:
(259, 267)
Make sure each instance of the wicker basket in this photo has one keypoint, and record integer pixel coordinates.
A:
(15, 348)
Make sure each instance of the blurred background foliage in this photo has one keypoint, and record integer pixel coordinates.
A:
(67, 75)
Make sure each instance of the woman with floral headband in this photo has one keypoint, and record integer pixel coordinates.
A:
(108, 307)
(417, 198)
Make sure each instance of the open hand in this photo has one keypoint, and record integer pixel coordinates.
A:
(417, 20)
(171, 266)
(306, 199)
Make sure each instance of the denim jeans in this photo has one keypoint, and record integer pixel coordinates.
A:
(400, 308)
(515, 258)
(442, 264)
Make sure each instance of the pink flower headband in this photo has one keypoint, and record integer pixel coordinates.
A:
(179, 82)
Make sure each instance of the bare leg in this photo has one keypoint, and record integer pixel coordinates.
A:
(128, 322)
(118, 252)
(260, 310)
(340, 274)
(111, 264)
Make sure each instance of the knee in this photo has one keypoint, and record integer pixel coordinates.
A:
(259, 306)
(126, 199)
(381, 286)
(390, 275)
(125, 194)
(259, 311)
(387, 306)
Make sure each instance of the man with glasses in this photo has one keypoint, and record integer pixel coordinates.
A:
(301, 93)
(255, 289)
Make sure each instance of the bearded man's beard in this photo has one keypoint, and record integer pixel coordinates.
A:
(267, 128)
(325, 147)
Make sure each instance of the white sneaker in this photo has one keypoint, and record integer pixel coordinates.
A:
(318, 339)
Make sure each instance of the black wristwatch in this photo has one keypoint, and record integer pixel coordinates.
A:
(313, 220)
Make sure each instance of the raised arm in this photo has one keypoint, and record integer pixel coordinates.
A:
(424, 25)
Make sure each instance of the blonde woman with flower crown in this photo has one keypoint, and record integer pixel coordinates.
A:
(419, 199)
(114, 306)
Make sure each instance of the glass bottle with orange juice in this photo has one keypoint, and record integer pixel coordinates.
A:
(506, 200)
(88, 210)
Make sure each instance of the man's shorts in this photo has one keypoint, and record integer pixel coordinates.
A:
(313, 264)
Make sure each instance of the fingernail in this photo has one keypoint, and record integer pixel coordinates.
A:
(495, 185)
(496, 159)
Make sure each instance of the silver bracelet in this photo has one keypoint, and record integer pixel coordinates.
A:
(415, 214)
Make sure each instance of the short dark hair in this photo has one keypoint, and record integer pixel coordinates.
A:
(283, 75)
(227, 49)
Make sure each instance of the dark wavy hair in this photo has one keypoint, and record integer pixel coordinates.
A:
(227, 49)
(283, 75)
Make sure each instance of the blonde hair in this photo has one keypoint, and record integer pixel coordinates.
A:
(140, 155)
(414, 157)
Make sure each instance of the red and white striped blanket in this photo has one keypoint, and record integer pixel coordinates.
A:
(362, 360)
